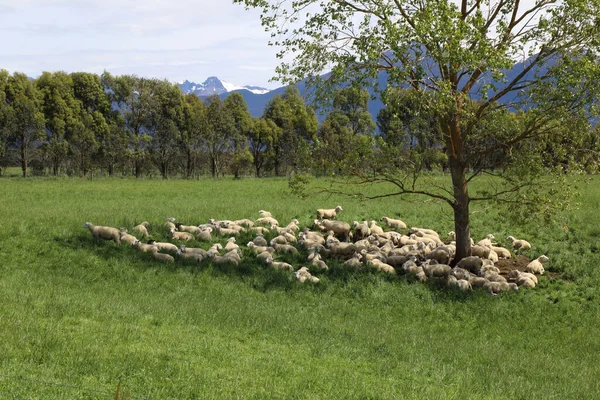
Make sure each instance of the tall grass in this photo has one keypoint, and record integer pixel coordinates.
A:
(92, 315)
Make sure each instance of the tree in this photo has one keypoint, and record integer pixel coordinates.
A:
(261, 137)
(236, 106)
(298, 124)
(459, 51)
(4, 129)
(24, 120)
(193, 129)
(218, 139)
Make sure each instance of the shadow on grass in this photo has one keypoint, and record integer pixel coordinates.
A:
(251, 271)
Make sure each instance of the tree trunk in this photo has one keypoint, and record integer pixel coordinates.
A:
(213, 166)
(138, 170)
(24, 158)
(456, 163)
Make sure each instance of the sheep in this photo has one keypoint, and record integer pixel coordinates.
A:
(233, 254)
(397, 261)
(284, 248)
(354, 262)
(142, 228)
(193, 256)
(381, 266)
(524, 281)
(494, 277)
(260, 240)
(501, 251)
(393, 223)
(536, 266)
(290, 237)
(193, 250)
(185, 236)
(260, 230)
(489, 268)
(278, 240)
(279, 265)
(267, 221)
(463, 285)
(315, 236)
(487, 242)
(104, 232)
(188, 228)
(361, 230)
(338, 227)
(170, 223)
(519, 244)
(460, 273)
(205, 235)
(342, 249)
(452, 236)
(244, 222)
(217, 259)
(493, 256)
(164, 246)
(437, 271)
(264, 214)
(374, 228)
(472, 264)
(477, 281)
(293, 225)
(323, 213)
(162, 256)
(143, 246)
(226, 231)
(315, 259)
(217, 247)
(440, 254)
(480, 251)
(126, 237)
(256, 249)
(231, 245)
(303, 275)
(266, 254)
(496, 287)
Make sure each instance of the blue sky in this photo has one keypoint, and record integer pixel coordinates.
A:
(173, 39)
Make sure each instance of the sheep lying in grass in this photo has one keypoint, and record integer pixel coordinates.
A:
(231, 245)
(279, 265)
(267, 221)
(315, 260)
(162, 257)
(144, 247)
(268, 253)
(104, 232)
(519, 244)
(323, 213)
(127, 238)
(164, 246)
(284, 248)
(487, 242)
(142, 228)
(205, 235)
(303, 275)
(191, 256)
(264, 214)
(193, 250)
(188, 228)
(536, 266)
(501, 252)
(361, 229)
(244, 222)
(184, 236)
(496, 287)
(393, 223)
(170, 224)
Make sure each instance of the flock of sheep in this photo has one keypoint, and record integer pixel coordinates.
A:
(421, 254)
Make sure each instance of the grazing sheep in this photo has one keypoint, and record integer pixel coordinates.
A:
(502, 252)
(256, 249)
(104, 232)
(536, 266)
(437, 271)
(394, 223)
(260, 240)
(338, 227)
(480, 251)
(266, 254)
(226, 231)
(244, 222)
(489, 268)
(487, 242)
(461, 273)
(397, 261)
(260, 229)
(524, 281)
(162, 257)
(519, 244)
(279, 265)
(494, 277)
(314, 236)
(303, 275)
(493, 256)
(477, 281)
(217, 259)
(354, 262)
(440, 254)
(496, 287)
(342, 249)
(216, 248)
(293, 225)
(127, 238)
(142, 228)
(461, 284)
(185, 236)
(143, 246)
(205, 235)
(381, 266)
(374, 228)
(279, 240)
(323, 213)
(472, 264)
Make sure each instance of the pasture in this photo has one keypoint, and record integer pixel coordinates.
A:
(77, 317)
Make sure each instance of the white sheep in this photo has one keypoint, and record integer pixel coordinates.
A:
(127, 238)
(536, 266)
(205, 235)
(267, 221)
(143, 246)
(303, 275)
(244, 222)
(142, 228)
(279, 265)
(323, 213)
(472, 264)
(315, 259)
(480, 251)
(104, 232)
(170, 223)
(164, 246)
(268, 253)
(381, 266)
(193, 256)
(184, 236)
(264, 214)
(284, 248)
(260, 229)
(496, 287)
(193, 250)
(162, 257)
(394, 223)
(338, 227)
(487, 241)
(231, 245)
(501, 252)
(188, 228)
(519, 244)
(526, 282)
(361, 230)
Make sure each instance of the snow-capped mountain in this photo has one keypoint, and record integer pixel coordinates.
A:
(214, 85)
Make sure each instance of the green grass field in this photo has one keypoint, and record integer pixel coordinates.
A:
(77, 318)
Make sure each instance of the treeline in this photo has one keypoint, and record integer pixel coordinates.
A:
(81, 124)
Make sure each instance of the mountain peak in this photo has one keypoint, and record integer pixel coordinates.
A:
(213, 85)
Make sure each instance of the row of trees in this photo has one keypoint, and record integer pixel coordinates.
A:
(83, 122)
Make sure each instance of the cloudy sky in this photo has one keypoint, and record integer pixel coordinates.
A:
(173, 39)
